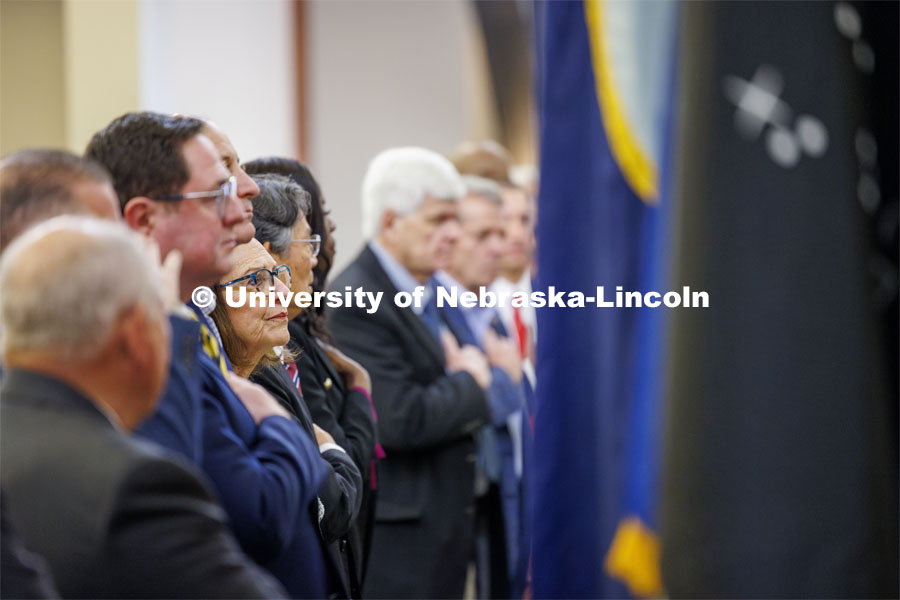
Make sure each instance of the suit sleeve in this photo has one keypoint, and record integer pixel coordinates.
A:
(341, 495)
(412, 413)
(168, 539)
(266, 486)
(354, 427)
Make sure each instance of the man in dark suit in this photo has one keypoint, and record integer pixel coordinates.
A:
(501, 537)
(112, 516)
(430, 399)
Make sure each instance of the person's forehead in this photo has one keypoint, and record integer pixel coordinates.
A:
(250, 256)
(221, 142)
(206, 171)
(479, 209)
(433, 205)
(514, 198)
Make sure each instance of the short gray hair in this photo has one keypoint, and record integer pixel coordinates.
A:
(64, 282)
(483, 188)
(37, 184)
(280, 204)
(399, 179)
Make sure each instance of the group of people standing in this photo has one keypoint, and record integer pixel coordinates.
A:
(157, 446)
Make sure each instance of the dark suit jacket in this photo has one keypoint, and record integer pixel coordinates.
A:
(23, 574)
(347, 416)
(426, 418)
(339, 494)
(114, 517)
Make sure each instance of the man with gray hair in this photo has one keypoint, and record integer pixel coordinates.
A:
(500, 515)
(429, 392)
(86, 344)
(38, 184)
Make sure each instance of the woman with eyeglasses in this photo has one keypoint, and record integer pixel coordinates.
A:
(336, 388)
(254, 338)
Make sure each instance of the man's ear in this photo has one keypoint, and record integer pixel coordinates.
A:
(142, 214)
(131, 336)
(388, 218)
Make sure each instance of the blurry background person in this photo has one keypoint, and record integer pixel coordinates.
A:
(485, 158)
(73, 387)
(475, 263)
(335, 388)
(515, 270)
(252, 337)
(430, 401)
(490, 160)
(37, 184)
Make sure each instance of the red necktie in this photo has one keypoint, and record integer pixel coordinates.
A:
(295, 375)
(521, 331)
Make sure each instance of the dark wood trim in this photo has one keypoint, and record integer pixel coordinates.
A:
(300, 70)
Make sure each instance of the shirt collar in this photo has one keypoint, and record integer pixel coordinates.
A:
(397, 273)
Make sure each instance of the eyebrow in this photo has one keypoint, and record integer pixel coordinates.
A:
(257, 268)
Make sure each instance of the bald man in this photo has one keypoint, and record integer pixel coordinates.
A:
(114, 517)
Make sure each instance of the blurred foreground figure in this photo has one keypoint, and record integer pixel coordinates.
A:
(86, 347)
(781, 473)
(430, 399)
(38, 184)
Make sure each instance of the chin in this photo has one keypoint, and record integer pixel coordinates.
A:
(279, 334)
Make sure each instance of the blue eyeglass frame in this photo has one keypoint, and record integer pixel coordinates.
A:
(252, 276)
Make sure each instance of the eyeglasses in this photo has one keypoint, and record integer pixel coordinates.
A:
(263, 278)
(315, 243)
(228, 191)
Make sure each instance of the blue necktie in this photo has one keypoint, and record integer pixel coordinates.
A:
(430, 315)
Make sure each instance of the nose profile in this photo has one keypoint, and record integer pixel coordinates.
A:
(234, 211)
(246, 187)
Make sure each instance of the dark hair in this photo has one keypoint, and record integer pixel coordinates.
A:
(300, 174)
(36, 184)
(312, 320)
(143, 153)
(277, 209)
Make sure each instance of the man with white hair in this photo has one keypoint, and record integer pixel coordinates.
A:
(429, 392)
(86, 347)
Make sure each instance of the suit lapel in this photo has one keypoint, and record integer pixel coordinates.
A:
(410, 320)
(456, 321)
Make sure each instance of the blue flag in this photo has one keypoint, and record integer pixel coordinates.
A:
(606, 73)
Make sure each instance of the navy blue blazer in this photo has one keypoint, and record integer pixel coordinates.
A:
(177, 423)
(265, 476)
(504, 397)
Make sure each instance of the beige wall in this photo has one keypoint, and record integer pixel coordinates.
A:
(231, 61)
(32, 111)
(100, 62)
(383, 74)
(66, 68)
